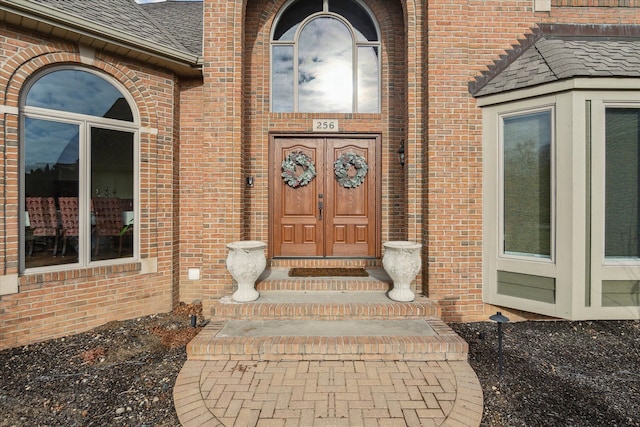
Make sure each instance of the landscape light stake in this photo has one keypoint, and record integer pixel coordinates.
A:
(500, 319)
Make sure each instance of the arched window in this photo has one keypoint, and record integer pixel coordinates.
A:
(325, 57)
(79, 170)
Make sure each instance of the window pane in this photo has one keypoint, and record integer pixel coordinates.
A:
(81, 92)
(112, 185)
(368, 80)
(527, 184)
(325, 70)
(282, 79)
(357, 16)
(621, 182)
(294, 15)
(50, 171)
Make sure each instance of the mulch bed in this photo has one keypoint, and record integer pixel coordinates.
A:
(121, 373)
(557, 373)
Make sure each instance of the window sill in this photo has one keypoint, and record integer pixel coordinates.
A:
(35, 279)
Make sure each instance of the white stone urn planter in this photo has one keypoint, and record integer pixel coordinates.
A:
(402, 261)
(246, 262)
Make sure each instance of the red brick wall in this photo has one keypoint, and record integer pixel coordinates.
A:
(50, 305)
(210, 152)
(234, 140)
(596, 3)
(191, 205)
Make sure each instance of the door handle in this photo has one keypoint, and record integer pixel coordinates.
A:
(320, 205)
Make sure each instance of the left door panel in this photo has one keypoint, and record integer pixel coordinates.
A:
(297, 228)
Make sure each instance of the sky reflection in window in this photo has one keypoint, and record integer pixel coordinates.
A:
(325, 70)
(282, 80)
(317, 60)
(80, 92)
(48, 143)
(368, 78)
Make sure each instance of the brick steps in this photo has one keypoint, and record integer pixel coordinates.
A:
(445, 345)
(326, 319)
(276, 279)
(278, 305)
(324, 262)
(314, 284)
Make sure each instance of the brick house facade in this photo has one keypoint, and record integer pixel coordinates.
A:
(204, 124)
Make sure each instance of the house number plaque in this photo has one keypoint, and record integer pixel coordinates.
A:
(325, 125)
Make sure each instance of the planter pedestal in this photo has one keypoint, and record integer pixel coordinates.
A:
(402, 263)
(246, 262)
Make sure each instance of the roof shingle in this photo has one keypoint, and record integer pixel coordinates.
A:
(555, 52)
(175, 24)
(182, 18)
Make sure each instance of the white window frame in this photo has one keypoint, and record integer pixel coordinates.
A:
(501, 186)
(598, 117)
(85, 124)
(494, 258)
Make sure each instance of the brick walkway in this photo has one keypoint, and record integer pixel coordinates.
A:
(328, 393)
(304, 355)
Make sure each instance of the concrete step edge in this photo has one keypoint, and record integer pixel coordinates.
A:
(445, 345)
(307, 311)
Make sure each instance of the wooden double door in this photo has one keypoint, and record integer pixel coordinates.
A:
(326, 217)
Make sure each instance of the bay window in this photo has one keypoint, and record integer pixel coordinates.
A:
(562, 203)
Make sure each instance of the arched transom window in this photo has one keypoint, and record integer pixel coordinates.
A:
(325, 57)
(79, 170)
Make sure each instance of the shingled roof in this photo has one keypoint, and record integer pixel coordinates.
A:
(554, 52)
(177, 24)
(167, 34)
(182, 18)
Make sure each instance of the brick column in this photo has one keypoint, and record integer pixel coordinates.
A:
(219, 163)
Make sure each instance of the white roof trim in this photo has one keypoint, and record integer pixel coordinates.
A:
(578, 83)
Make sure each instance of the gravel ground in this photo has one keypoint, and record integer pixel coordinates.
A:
(555, 373)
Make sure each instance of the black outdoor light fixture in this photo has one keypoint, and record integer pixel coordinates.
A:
(249, 181)
(500, 319)
(401, 153)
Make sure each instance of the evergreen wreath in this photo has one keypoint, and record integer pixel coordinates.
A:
(298, 158)
(342, 166)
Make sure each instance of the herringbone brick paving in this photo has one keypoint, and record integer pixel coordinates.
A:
(327, 393)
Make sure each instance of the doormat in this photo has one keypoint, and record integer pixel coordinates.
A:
(327, 272)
